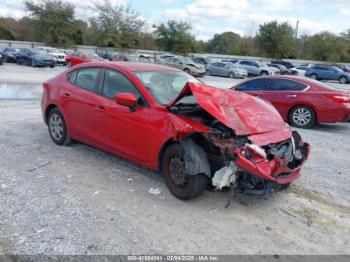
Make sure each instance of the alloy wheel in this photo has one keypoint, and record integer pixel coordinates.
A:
(302, 116)
(56, 127)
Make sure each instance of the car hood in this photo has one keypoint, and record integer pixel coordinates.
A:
(245, 114)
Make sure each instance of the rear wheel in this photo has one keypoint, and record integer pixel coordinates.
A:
(208, 73)
(182, 185)
(264, 73)
(313, 76)
(32, 63)
(187, 71)
(58, 128)
(302, 117)
(343, 80)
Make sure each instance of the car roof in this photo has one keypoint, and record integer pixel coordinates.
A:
(132, 66)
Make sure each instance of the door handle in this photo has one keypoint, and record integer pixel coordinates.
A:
(291, 96)
(66, 95)
(101, 109)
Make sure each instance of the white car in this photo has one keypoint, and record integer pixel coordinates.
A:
(299, 70)
(58, 55)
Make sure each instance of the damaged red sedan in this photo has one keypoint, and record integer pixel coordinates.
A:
(164, 119)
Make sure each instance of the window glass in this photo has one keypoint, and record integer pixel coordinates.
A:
(165, 86)
(87, 78)
(72, 76)
(116, 83)
(285, 85)
(253, 85)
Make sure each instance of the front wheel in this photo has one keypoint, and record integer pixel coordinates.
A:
(313, 76)
(182, 185)
(231, 75)
(343, 80)
(32, 63)
(264, 73)
(69, 64)
(58, 128)
(187, 71)
(302, 117)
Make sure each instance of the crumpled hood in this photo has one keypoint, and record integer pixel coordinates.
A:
(245, 114)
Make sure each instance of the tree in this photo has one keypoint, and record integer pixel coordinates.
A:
(277, 40)
(120, 25)
(54, 21)
(174, 36)
(225, 43)
(326, 46)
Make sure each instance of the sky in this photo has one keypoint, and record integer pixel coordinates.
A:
(209, 17)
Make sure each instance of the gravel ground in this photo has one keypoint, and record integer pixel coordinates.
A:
(79, 200)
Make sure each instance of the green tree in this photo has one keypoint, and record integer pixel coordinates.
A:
(326, 46)
(54, 21)
(174, 36)
(225, 43)
(120, 25)
(277, 40)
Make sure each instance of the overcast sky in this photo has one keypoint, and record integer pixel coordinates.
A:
(216, 16)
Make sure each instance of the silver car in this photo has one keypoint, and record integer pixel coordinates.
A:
(227, 70)
(185, 64)
(255, 68)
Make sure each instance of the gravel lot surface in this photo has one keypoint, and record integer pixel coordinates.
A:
(79, 200)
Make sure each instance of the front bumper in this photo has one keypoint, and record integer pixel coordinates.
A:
(277, 170)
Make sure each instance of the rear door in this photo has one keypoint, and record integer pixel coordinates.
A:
(79, 100)
(284, 94)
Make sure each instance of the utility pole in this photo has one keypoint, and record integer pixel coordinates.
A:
(296, 39)
(297, 29)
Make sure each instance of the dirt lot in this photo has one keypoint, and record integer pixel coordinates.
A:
(79, 200)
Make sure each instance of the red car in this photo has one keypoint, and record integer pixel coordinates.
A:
(80, 57)
(164, 119)
(302, 102)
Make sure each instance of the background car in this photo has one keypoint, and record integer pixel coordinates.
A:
(298, 70)
(10, 54)
(226, 69)
(161, 58)
(132, 58)
(233, 61)
(284, 63)
(58, 55)
(301, 101)
(34, 58)
(255, 68)
(107, 54)
(202, 60)
(328, 72)
(345, 68)
(282, 70)
(186, 64)
(2, 58)
(79, 57)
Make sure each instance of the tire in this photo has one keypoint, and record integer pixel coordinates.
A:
(231, 75)
(52, 66)
(18, 61)
(302, 117)
(208, 73)
(32, 63)
(264, 73)
(313, 76)
(186, 70)
(343, 80)
(180, 184)
(58, 128)
(69, 64)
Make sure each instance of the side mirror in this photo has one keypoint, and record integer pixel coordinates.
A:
(126, 99)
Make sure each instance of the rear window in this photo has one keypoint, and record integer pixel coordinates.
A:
(87, 78)
(285, 85)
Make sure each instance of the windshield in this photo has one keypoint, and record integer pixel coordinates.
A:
(92, 56)
(231, 65)
(261, 64)
(187, 61)
(10, 50)
(165, 86)
(35, 52)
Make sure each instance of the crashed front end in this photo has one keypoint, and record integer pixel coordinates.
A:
(259, 169)
(247, 143)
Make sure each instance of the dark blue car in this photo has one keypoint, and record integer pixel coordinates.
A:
(328, 72)
(34, 58)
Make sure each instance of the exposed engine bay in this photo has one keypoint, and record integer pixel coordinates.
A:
(237, 161)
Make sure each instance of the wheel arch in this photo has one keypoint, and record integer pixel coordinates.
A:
(47, 111)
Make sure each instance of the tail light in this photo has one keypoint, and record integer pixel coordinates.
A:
(339, 98)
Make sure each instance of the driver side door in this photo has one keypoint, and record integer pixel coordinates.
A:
(119, 129)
